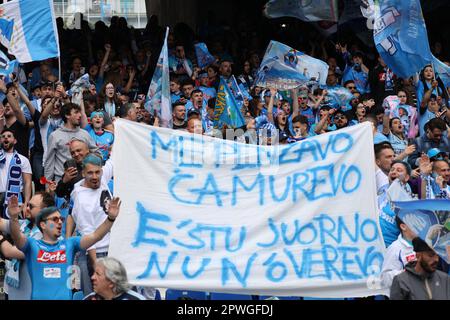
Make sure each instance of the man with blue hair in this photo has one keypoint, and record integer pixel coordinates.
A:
(89, 209)
(49, 260)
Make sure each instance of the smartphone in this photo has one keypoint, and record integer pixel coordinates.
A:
(71, 163)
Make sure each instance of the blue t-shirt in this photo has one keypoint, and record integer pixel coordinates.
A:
(308, 113)
(49, 266)
(388, 225)
(103, 141)
(174, 97)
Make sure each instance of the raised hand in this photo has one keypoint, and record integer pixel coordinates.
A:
(13, 207)
(114, 208)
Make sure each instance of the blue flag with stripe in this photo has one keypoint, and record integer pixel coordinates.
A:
(400, 36)
(204, 58)
(429, 220)
(34, 35)
(158, 96)
(442, 71)
(316, 10)
(6, 66)
(285, 68)
(227, 109)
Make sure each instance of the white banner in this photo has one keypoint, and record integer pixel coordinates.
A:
(206, 214)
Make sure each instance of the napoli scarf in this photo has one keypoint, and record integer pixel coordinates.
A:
(14, 179)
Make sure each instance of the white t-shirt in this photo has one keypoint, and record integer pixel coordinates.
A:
(24, 164)
(89, 210)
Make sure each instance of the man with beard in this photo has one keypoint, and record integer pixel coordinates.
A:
(73, 168)
(90, 204)
(340, 119)
(421, 280)
(59, 141)
(15, 172)
(179, 116)
(14, 118)
(50, 261)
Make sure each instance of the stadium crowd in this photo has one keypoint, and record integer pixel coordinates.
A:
(56, 143)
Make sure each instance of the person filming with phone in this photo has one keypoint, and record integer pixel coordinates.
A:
(72, 168)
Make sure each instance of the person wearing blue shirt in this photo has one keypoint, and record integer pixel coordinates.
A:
(429, 107)
(355, 70)
(208, 92)
(50, 260)
(103, 139)
(428, 82)
(175, 89)
(179, 64)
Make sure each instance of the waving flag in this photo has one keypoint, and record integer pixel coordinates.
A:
(7, 67)
(285, 68)
(304, 10)
(339, 96)
(28, 29)
(227, 110)
(204, 58)
(401, 36)
(442, 71)
(429, 220)
(158, 96)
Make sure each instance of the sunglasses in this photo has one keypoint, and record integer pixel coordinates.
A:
(56, 219)
(350, 88)
(31, 206)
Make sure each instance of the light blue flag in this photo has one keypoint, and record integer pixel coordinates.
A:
(429, 220)
(401, 36)
(338, 96)
(285, 68)
(158, 96)
(442, 71)
(245, 92)
(34, 35)
(6, 66)
(304, 10)
(204, 58)
(227, 110)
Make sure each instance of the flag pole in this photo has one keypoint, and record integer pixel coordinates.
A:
(59, 69)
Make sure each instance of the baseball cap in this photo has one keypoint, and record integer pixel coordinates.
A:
(433, 153)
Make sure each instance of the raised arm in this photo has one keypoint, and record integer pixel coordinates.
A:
(13, 209)
(427, 96)
(131, 75)
(9, 251)
(386, 120)
(91, 239)
(25, 99)
(295, 105)
(46, 109)
(273, 92)
(101, 73)
(84, 119)
(16, 108)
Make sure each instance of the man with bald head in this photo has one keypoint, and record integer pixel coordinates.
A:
(72, 168)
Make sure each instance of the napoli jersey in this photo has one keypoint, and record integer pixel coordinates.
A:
(49, 266)
(103, 141)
